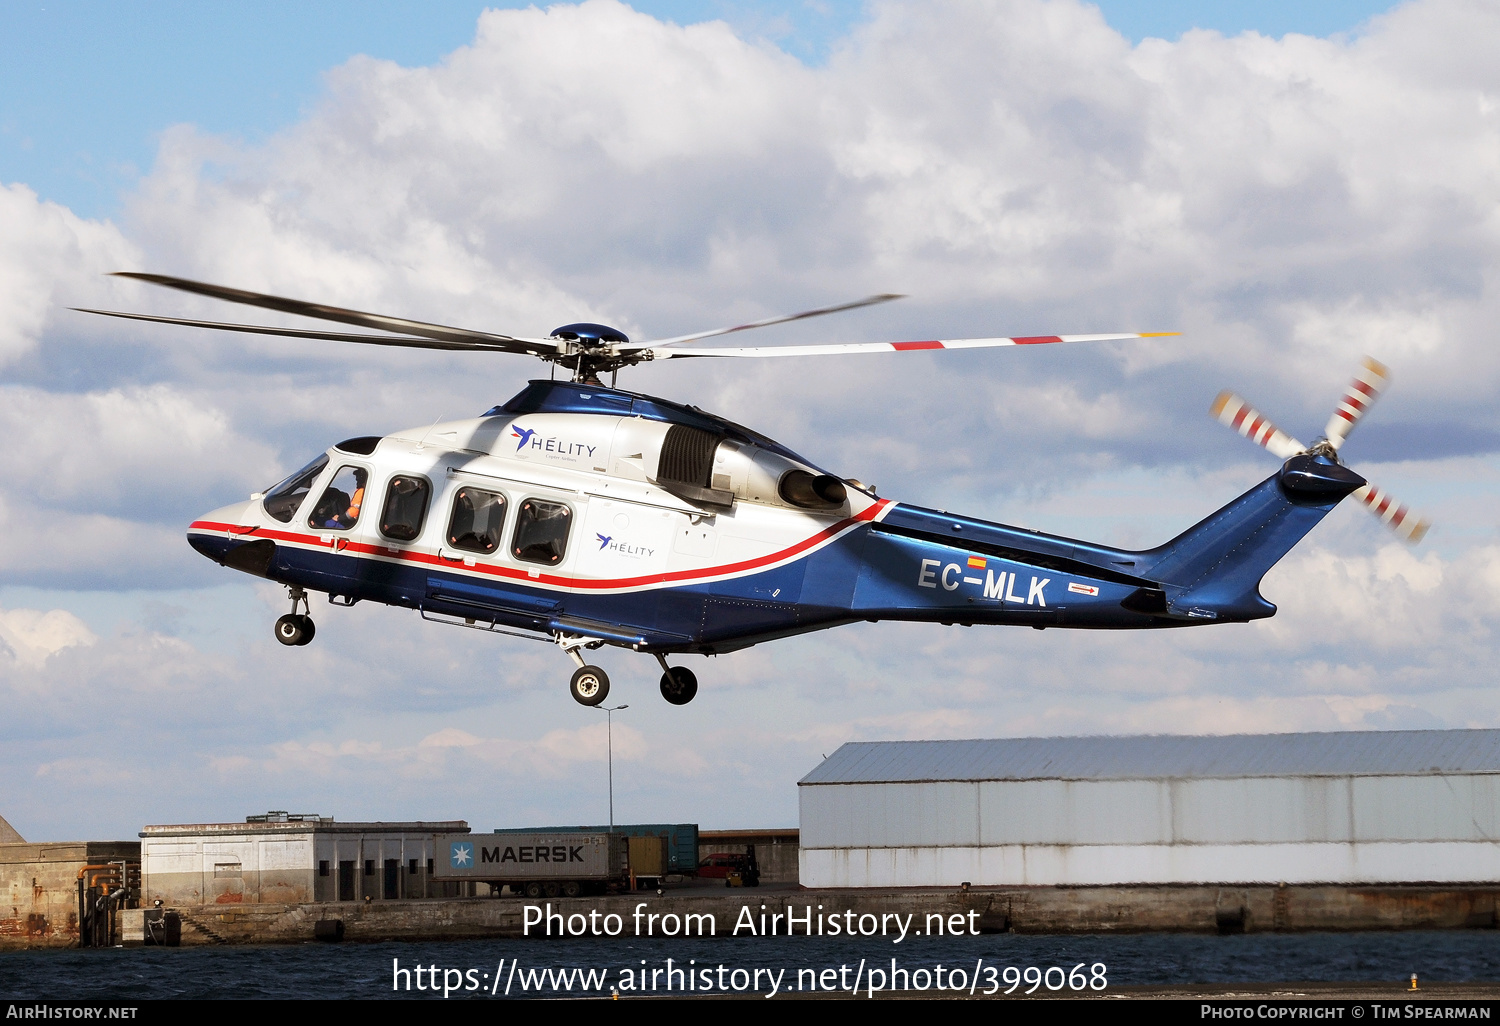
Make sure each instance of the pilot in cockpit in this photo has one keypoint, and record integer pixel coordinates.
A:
(339, 508)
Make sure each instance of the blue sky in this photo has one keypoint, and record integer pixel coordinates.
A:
(86, 86)
(1290, 202)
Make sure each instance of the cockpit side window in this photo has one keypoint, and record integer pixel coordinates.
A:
(338, 509)
(541, 532)
(405, 507)
(477, 519)
(283, 500)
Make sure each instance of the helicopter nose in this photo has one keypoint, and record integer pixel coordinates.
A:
(226, 536)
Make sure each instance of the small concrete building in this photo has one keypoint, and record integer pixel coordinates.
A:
(291, 859)
(39, 892)
(1377, 807)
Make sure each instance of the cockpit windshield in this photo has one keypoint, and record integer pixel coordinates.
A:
(283, 500)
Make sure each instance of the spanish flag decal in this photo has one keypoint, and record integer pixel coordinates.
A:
(977, 562)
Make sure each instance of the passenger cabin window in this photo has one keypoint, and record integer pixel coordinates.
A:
(477, 519)
(541, 532)
(405, 507)
(283, 500)
(338, 509)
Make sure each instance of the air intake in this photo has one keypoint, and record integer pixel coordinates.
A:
(686, 466)
(687, 455)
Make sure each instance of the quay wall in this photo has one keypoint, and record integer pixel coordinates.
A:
(1060, 910)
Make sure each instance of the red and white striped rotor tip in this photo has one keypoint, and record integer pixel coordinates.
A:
(1397, 517)
(1369, 381)
(1234, 413)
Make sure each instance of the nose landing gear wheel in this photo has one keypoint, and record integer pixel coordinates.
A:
(590, 685)
(679, 685)
(295, 629)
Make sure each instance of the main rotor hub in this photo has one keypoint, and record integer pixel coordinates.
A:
(590, 335)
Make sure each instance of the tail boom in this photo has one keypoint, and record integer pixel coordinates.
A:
(920, 564)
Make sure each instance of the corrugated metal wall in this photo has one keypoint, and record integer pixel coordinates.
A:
(1255, 810)
(1354, 829)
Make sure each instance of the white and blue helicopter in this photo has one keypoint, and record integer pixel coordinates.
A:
(592, 516)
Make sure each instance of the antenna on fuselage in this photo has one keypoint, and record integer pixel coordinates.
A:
(423, 443)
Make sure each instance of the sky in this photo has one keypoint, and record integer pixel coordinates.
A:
(1292, 187)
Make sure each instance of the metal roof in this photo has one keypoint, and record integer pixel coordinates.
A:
(1157, 756)
(319, 826)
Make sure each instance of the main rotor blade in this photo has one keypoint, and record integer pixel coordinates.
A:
(332, 336)
(1397, 517)
(336, 313)
(1369, 381)
(850, 348)
(1233, 412)
(884, 297)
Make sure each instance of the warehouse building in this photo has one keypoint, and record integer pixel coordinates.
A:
(279, 857)
(1419, 806)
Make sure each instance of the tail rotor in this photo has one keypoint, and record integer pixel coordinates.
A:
(1234, 413)
(1397, 517)
(1369, 382)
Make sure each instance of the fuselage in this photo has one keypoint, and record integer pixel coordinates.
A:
(599, 513)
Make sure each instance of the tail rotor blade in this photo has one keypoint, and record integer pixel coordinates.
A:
(1397, 517)
(1234, 413)
(1369, 381)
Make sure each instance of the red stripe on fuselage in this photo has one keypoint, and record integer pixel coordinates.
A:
(586, 583)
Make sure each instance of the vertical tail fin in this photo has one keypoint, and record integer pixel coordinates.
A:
(1212, 571)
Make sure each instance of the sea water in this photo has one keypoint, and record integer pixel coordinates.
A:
(594, 966)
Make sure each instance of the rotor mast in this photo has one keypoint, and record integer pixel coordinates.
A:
(589, 350)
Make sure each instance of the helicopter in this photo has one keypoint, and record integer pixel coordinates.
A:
(585, 515)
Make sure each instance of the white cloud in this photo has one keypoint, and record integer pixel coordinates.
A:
(143, 448)
(32, 635)
(1019, 167)
(49, 259)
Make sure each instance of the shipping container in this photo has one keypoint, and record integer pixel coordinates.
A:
(538, 863)
(680, 842)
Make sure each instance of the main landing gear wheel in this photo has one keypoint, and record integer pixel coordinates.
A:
(679, 685)
(590, 685)
(295, 629)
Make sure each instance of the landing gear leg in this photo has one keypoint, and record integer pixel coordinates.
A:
(678, 683)
(590, 684)
(295, 628)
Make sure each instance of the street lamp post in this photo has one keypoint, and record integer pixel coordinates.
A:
(609, 733)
